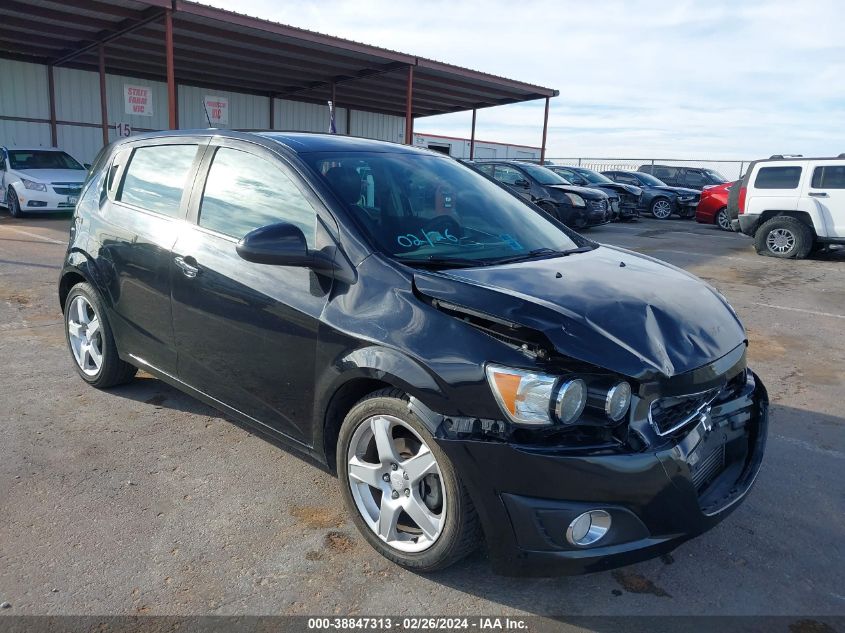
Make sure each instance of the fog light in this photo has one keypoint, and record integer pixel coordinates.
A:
(588, 528)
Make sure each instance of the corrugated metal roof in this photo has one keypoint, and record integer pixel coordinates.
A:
(228, 50)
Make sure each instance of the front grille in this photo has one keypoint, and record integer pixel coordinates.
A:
(706, 470)
(67, 189)
(671, 413)
(598, 205)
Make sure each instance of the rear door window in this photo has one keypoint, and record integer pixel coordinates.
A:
(665, 173)
(156, 178)
(244, 192)
(829, 177)
(778, 178)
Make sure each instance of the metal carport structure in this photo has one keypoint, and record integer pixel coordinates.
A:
(219, 49)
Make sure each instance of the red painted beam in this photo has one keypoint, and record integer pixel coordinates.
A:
(104, 108)
(171, 73)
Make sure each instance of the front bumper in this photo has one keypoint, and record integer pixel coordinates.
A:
(527, 496)
(33, 201)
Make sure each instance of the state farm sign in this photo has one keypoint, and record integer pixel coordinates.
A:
(138, 100)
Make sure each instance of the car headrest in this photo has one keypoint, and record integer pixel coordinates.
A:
(346, 183)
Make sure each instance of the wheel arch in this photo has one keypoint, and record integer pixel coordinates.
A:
(78, 268)
(371, 369)
(803, 216)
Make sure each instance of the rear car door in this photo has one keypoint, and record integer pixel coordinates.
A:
(246, 333)
(145, 195)
(827, 192)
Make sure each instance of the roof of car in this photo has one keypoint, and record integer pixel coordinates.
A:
(298, 142)
(21, 148)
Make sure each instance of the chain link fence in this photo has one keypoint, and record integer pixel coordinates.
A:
(730, 169)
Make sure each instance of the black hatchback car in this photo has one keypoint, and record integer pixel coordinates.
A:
(690, 177)
(576, 207)
(629, 195)
(472, 369)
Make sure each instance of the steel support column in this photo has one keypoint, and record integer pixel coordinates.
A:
(472, 136)
(272, 112)
(171, 73)
(51, 89)
(104, 108)
(545, 133)
(409, 108)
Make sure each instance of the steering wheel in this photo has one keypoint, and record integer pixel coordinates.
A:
(443, 223)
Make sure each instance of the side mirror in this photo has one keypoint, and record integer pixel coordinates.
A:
(281, 244)
(522, 183)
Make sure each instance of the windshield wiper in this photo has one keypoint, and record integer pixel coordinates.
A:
(541, 253)
(450, 262)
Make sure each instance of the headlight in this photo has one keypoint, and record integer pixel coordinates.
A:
(524, 396)
(617, 401)
(534, 398)
(31, 184)
(575, 199)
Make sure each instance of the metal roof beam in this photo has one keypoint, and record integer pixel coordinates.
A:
(105, 36)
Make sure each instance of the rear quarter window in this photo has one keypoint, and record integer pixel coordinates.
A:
(778, 178)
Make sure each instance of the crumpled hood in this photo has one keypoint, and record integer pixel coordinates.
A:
(681, 191)
(53, 175)
(643, 319)
(586, 192)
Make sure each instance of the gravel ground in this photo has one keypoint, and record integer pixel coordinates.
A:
(141, 500)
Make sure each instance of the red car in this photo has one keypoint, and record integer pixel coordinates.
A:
(713, 206)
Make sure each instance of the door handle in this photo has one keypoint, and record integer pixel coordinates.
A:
(820, 194)
(188, 266)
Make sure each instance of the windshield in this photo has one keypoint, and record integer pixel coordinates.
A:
(592, 176)
(649, 179)
(715, 176)
(38, 159)
(429, 210)
(542, 175)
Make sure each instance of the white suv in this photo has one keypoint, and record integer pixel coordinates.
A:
(39, 179)
(791, 206)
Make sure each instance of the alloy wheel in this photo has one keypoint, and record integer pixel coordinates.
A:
(780, 241)
(85, 335)
(396, 484)
(723, 220)
(661, 209)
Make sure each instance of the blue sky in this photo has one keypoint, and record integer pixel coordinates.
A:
(672, 79)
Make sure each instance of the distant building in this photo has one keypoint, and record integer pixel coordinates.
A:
(459, 147)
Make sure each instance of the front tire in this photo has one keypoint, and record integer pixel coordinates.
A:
(722, 219)
(13, 203)
(90, 340)
(785, 237)
(661, 208)
(401, 489)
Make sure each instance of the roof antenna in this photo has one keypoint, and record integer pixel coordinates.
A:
(205, 109)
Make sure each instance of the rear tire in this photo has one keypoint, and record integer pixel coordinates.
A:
(722, 219)
(784, 237)
(90, 340)
(453, 527)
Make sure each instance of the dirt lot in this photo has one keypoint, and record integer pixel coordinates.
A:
(142, 500)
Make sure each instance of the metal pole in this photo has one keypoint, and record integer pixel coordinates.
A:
(348, 121)
(472, 137)
(104, 109)
(272, 111)
(171, 73)
(409, 108)
(51, 87)
(545, 133)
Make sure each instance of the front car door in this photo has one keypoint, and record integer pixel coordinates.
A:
(141, 212)
(514, 179)
(695, 179)
(246, 333)
(827, 192)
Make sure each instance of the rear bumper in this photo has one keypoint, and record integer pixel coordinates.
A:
(527, 497)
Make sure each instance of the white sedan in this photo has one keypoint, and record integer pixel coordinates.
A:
(39, 180)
